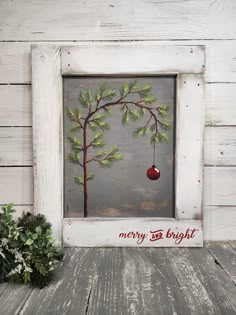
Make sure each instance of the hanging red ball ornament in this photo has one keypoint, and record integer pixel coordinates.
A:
(153, 173)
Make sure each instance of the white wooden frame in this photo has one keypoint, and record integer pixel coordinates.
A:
(49, 64)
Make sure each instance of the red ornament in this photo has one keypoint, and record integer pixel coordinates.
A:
(153, 173)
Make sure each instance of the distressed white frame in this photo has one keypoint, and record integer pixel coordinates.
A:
(49, 64)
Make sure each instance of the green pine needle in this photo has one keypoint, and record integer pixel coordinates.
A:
(83, 99)
(124, 90)
(141, 131)
(105, 163)
(134, 115)
(125, 118)
(74, 139)
(149, 99)
(153, 127)
(133, 86)
(79, 180)
(164, 136)
(74, 127)
(91, 176)
(98, 144)
(146, 89)
(155, 138)
(105, 93)
(142, 111)
(101, 154)
(74, 157)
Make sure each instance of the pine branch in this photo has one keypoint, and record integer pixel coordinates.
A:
(106, 159)
(97, 141)
(74, 158)
(79, 180)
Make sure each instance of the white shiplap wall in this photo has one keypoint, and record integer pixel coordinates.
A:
(195, 22)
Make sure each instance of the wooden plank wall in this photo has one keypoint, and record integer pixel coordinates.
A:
(206, 22)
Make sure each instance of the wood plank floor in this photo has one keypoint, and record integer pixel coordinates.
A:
(134, 281)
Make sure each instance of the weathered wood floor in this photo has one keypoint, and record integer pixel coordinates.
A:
(143, 281)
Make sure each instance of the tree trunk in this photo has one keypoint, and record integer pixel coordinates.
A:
(85, 173)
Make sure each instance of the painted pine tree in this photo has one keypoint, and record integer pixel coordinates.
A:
(89, 123)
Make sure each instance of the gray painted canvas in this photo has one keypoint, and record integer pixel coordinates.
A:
(122, 190)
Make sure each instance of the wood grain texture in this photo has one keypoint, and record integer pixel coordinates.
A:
(13, 298)
(220, 58)
(107, 290)
(232, 243)
(214, 191)
(189, 146)
(225, 256)
(122, 59)
(47, 107)
(206, 287)
(47, 134)
(219, 223)
(16, 108)
(119, 20)
(219, 186)
(70, 292)
(15, 105)
(105, 232)
(133, 281)
(198, 299)
(220, 104)
(16, 185)
(160, 288)
(130, 281)
(15, 65)
(220, 146)
(3, 287)
(218, 284)
(16, 146)
(221, 65)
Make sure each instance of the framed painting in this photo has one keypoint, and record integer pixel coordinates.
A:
(97, 183)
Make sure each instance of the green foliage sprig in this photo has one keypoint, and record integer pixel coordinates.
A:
(27, 250)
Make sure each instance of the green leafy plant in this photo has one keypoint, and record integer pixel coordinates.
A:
(27, 250)
(11, 260)
(135, 103)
